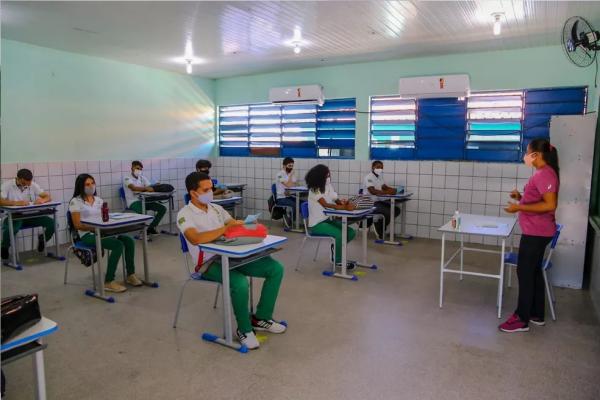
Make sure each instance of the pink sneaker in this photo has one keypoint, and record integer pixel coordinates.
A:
(514, 324)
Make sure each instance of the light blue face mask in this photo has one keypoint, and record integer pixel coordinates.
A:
(90, 190)
(205, 198)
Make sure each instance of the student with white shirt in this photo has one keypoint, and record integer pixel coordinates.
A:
(284, 179)
(136, 182)
(321, 195)
(201, 221)
(86, 204)
(204, 166)
(22, 191)
(374, 185)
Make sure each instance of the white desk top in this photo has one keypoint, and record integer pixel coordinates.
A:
(155, 194)
(225, 201)
(43, 328)
(297, 189)
(31, 207)
(353, 213)
(235, 184)
(115, 220)
(244, 250)
(395, 196)
(482, 225)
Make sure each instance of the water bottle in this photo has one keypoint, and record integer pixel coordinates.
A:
(456, 220)
(105, 212)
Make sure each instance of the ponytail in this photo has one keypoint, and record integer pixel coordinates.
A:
(548, 151)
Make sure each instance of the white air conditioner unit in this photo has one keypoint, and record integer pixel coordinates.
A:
(308, 94)
(426, 87)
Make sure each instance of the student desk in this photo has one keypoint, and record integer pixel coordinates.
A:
(297, 191)
(236, 187)
(500, 227)
(233, 257)
(344, 215)
(159, 197)
(402, 198)
(118, 224)
(228, 202)
(15, 213)
(29, 342)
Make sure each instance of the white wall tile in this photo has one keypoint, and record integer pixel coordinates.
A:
(451, 195)
(439, 168)
(425, 180)
(55, 183)
(452, 168)
(438, 181)
(494, 170)
(478, 197)
(104, 166)
(465, 182)
(40, 169)
(464, 196)
(509, 170)
(451, 182)
(426, 167)
(412, 180)
(466, 168)
(412, 167)
(9, 170)
(424, 193)
(479, 169)
(494, 184)
(54, 168)
(437, 207)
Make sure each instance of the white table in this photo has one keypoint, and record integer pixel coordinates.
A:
(113, 227)
(29, 342)
(500, 227)
(15, 213)
(230, 201)
(248, 253)
(344, 215)
(237, 187)
(297, 191)
(403, 197)
(159, 197)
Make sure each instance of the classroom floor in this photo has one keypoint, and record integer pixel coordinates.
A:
(383, 337)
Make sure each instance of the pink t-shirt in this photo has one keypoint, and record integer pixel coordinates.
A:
(544, 180)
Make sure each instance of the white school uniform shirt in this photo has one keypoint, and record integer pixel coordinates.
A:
(10, 191)
(373, 180)
(281, 177)
(316, 212)
(130, 195)
(213, 218)
(85, 209)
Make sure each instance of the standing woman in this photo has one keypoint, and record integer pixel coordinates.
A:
(536, 210)
(86, 204)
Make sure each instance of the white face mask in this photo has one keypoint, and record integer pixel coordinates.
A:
(90, 190)
(328, 181)
(137, 173)
(205, 198)
(378, 171)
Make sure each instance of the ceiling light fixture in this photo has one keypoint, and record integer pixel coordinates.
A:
(297, 41)
(497, 23)
(188, 67)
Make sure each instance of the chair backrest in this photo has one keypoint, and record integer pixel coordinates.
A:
(121, 193)
(556, 236)
(71, 227)
(215, 181)
(274, 191)
(304, 209)
(360, 191)
(183, 243)
(186, 198)
(547, 263)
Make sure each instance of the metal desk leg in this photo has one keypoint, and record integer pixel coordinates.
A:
(40, 376)
(501, 278)
(365, 263)
(171, 205)
(56, 244)
(298, 212)
(392, 224)
(14, 263)
(227, 339)
(100, 293)
(403, 234)
(143, 198)
(462, 250)
(146, 280)
(442, 269)
(344, 272)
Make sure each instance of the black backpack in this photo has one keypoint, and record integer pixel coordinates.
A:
(163, 188)
(276, 212)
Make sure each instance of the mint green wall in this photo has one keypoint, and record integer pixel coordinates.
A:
(512, 69)
(64, 106)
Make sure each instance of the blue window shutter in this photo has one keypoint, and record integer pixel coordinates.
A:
(336, 128)
(392, 128)
(440, 129)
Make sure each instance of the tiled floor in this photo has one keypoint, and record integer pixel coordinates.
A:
(382, 337)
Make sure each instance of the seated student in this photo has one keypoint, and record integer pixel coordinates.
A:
(22, 191)
(136, 182)
(375, 185)
(86, 204)
(286, 178)
(204, 166)
(321, 195)
(201, 222)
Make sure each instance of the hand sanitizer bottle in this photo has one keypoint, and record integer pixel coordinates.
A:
(456, 220)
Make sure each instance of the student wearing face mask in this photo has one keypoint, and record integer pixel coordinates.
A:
(284, 179)
(536, 208)
(375, 186)
(137, 182)
(204, 166)
(22, 191)
(201, 221)
(86, 204)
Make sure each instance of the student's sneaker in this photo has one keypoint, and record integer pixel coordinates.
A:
(114, 286)
(134, 280)
(41, 243)
(349, 265)
(153, 231)
(5, 253)
(332, 254)
(270, 325)
(537, 321)
(287, 220)
(248, 339)
(514, 324)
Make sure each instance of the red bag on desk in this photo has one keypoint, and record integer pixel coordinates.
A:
(244, 234)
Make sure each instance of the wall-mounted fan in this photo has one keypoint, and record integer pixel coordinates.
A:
(580, 41)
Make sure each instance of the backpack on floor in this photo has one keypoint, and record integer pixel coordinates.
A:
(276, 212)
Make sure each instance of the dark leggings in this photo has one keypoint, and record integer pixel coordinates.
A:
(531, 279)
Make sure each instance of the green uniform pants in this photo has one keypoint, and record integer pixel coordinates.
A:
(46, 222)
(116, 246)
(155, 206)
(267, 268)
(333, 229)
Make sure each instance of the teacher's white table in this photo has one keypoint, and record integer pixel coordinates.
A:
(17, 213)
(500, 227)
(233, 257)
(344, 215)
(159, 197)
(297, 191)
(29, 342)
(118, 224)
(403, 198)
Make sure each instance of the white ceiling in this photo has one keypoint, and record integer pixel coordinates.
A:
(238, 38)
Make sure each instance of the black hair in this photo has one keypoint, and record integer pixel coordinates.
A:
(192, 181)
(316, 177)
(376, 162)
(79, 190)
(137, 163)
(203, 164)
(25, 174)
(287, 160)
(549, 153)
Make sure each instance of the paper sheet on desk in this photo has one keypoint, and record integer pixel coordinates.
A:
(118, 215)
(251, 219)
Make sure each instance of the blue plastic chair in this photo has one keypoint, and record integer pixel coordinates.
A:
(284, 208)
(88, 248)
(511, 259)
(309, 236)
(375, 217)
(122, 197)
(186, 198)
